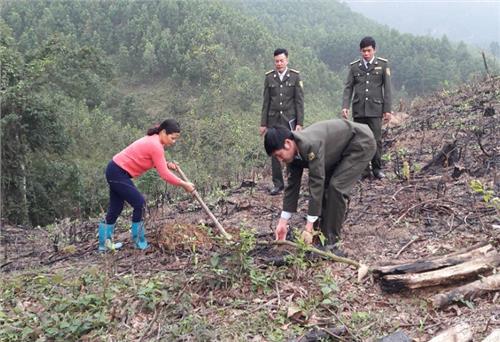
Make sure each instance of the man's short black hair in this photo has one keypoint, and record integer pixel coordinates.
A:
(366, 42)
(275, 139)
(279, 51)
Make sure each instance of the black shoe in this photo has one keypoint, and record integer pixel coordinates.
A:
(276, 190)
(377, 173)
(332, 249)
(365, 175)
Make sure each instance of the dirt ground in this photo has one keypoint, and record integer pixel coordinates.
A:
(425, 207)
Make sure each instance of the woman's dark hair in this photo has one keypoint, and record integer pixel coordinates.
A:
(275, 139)
(170, 126)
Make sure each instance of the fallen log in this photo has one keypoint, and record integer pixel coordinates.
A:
(435, 262)
(447, 275)
(493, 337)
(458, 333)
(471, 290)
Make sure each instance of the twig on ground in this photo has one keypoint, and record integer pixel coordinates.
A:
(415, 239)
(415, 206)
(153, 320)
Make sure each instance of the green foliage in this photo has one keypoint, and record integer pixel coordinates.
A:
(488, 195)
(54, 309)
(329, 289)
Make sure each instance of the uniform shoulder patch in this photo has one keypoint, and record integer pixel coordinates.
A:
(270, 71)
(383, 59)
(295, 71)
(354, 62)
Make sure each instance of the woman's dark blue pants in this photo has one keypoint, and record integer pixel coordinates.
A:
(121, 189)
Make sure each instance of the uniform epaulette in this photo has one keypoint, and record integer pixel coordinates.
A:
(383, 59)
(270, 71)
(295, 71)
(354, 62)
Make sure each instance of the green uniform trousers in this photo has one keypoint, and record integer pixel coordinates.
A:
(375, 125)
(277, 173)
(338, 187)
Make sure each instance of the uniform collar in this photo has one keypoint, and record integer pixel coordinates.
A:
(370, 61)
(285, 74)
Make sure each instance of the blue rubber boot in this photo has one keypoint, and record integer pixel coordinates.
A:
(106, 236)
(110, 232)
(138, 235)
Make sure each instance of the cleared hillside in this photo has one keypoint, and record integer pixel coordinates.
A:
(190, 285)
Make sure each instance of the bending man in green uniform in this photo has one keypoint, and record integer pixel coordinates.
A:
(283, 106)
(369, 86)
(336, 153)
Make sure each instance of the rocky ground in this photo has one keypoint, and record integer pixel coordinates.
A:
(441, 195)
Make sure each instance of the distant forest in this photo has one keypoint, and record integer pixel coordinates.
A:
(80, 80)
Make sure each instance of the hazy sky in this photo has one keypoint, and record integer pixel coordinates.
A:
(473, 21)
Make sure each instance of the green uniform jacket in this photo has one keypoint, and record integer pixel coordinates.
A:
(283, 100)
(371, 88)
(321, 146)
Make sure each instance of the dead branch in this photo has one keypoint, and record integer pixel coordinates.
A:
(447, 275)
(314, 250)
(413, 207)
(458, 333)
(436, 262)
(474, 289)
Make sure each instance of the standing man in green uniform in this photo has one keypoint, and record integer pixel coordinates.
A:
(369, 86)
(336, 153)
(283, 106)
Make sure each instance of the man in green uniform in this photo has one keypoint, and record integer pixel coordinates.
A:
(336, 153)
(369, 86)
(283, 106)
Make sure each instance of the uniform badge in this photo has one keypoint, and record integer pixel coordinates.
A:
(388, 71)
(378, 68)
(301, 84)
(311, 156)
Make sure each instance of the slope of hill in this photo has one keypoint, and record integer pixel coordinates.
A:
(190, 285)
(99, 73)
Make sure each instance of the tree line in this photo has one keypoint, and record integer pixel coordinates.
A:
(82, 79)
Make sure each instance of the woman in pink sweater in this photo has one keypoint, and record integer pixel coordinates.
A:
(133, 161)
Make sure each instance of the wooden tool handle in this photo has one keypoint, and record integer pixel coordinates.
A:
(205, 207)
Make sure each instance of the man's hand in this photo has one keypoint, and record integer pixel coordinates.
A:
(387, 117)
(281, 229)
(262, 130)
(345, 113)
(307, 237)
(298, 128)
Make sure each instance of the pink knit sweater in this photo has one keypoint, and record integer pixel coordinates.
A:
(144, 154)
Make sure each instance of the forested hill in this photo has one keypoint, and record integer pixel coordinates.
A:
(82, 79)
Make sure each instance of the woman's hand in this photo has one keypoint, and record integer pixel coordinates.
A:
(188, 186)
(172, 166)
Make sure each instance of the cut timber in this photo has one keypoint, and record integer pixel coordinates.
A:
(458, 333)
(448, 156)
(435, 262)
(398, 282)
(471, 290)
(493, 337)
